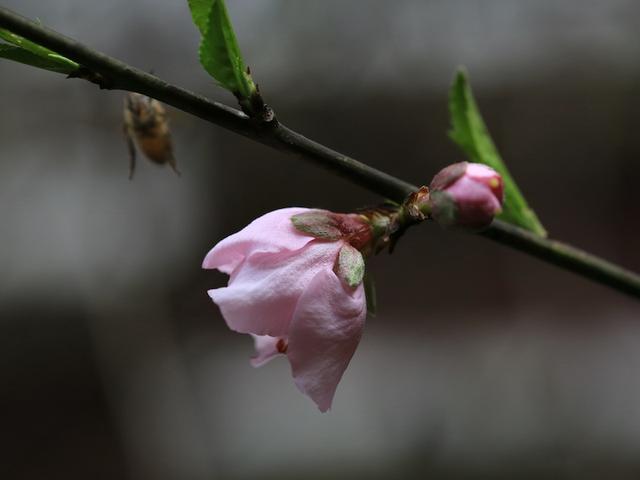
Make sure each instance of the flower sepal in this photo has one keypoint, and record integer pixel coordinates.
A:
(325, 225)
(318, 224)
(350, 266)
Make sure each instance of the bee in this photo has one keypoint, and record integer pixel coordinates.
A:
(146, 124)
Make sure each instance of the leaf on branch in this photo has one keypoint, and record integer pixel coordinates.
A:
(17, 54)
(30, 53)
(470, 133)
(219, 51)
(200, 10)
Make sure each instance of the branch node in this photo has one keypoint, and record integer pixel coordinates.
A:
(86, 74)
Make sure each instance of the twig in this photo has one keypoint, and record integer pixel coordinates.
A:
(120, 76)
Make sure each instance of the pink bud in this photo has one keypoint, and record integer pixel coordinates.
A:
(295, 285)
(467, 195)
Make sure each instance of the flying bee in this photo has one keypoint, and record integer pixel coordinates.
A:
(146, 123)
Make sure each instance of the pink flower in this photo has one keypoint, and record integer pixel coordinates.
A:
(466, 195)
(298, 291)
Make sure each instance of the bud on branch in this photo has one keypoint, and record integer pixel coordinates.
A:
(467, 195)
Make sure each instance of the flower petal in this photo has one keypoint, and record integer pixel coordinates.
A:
(267, 348)
(480, 171)
(488, 176)
(476, 203)
(272, 232)
(324, 333)
(263, 291)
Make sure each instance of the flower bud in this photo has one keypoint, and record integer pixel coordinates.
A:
(466, 195)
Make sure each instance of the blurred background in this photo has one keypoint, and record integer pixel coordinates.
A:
(481, 362)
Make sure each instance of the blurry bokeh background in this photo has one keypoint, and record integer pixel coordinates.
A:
(482, 362)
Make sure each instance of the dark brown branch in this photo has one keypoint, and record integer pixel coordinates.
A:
(114, 74)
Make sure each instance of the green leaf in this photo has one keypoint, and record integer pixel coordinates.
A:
(219, 51)
(30, 53)
(21, 41)
(200, 10)
(318, 224)
(17, 54)
(469, 132)
(350, 267)
(370, 294)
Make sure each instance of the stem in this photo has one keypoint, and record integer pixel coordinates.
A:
(121, 76)
(565, 256)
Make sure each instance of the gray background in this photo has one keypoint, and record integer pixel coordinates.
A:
(481, 362)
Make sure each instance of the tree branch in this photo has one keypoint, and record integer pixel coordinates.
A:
(120, 76)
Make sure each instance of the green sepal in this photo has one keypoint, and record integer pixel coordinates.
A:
(318, 224)
(470, 133)
(350, 266)
(219, 51)
(30, 53)
(444, 209)
(370, 294)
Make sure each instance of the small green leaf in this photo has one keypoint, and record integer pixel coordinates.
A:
(219, 51)
(370, 294)
(469, 132)
(21, 41)
(200, 13)
(49, 62)
(318, 224)
(350, 265)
